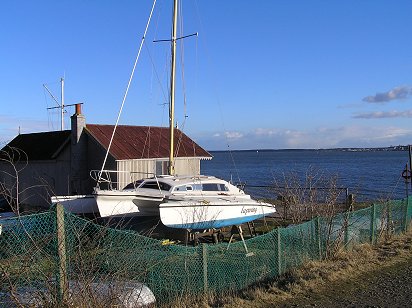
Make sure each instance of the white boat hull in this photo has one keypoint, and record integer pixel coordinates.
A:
(127, 204)
(212, 213)
(77, 204)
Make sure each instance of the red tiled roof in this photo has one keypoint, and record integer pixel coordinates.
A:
(137, 142)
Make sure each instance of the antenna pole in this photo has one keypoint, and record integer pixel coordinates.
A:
(172, 91)
(62, 103)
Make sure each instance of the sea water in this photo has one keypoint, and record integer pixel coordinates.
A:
(370, 175)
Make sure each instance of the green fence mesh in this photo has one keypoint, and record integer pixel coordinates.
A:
(38, 258)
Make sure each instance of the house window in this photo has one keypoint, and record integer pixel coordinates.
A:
(161, 167)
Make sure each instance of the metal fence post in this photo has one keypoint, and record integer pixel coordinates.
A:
(61, 250)
(204, 260)
(372, 235)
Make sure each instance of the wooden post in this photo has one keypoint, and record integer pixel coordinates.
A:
(205, 278)
(279, 251)
(61, 250)
(373, 225)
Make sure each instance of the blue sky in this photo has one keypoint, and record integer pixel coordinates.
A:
(261, 74)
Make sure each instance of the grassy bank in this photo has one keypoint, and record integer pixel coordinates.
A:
(317, 279)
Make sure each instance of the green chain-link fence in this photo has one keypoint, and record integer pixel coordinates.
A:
(52, 258)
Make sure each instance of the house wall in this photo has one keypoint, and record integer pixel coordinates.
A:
(38, 180)
(187, 166)
(134, 169)
(95, 158)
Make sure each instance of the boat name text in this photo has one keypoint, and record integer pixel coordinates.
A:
(248, 210)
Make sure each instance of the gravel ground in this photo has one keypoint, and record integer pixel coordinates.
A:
(386, 287)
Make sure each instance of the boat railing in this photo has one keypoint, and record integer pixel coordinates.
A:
(116, 179)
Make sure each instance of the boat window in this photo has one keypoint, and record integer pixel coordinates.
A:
(214, 187)
(210, 187)
(133, 184)
(203, 187)
(156, 185)
(223, 187)
(184, 188)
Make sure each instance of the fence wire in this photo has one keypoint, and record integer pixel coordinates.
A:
(50, 260)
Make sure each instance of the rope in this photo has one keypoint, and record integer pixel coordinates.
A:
(126, 92)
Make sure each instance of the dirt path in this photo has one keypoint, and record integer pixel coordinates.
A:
(387, 287)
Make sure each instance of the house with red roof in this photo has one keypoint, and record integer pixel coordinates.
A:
(62, 162)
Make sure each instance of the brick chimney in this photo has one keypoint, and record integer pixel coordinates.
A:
(79, 174)
(78, 123)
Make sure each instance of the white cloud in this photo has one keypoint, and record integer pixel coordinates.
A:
(233, 135)
(397, 93)
(321, 137)
(384, 114)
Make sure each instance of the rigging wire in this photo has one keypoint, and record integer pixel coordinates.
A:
(127, 91)
(182, 71)
(49, 122)
(156, 74)
(219, 103)
(50, 113)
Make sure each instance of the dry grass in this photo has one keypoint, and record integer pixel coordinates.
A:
(313, 277)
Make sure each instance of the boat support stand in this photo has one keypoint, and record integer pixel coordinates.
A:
(238, 230)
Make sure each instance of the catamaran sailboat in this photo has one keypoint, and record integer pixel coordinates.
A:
(188, 202)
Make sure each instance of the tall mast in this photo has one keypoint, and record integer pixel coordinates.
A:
(172, 91)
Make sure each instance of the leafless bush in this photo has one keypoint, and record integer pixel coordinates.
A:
(13, 161)
(314, 194)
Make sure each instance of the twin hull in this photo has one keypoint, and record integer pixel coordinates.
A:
(77, 204)
(208, 214)
(194, 213)
(114, 204)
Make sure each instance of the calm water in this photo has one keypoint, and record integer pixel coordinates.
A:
(370, 175)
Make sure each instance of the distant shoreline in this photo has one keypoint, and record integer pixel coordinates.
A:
(380, 149)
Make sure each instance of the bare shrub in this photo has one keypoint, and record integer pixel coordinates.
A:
(13, 162)
(310, 195)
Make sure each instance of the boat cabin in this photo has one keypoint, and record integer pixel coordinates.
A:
(183, 185)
